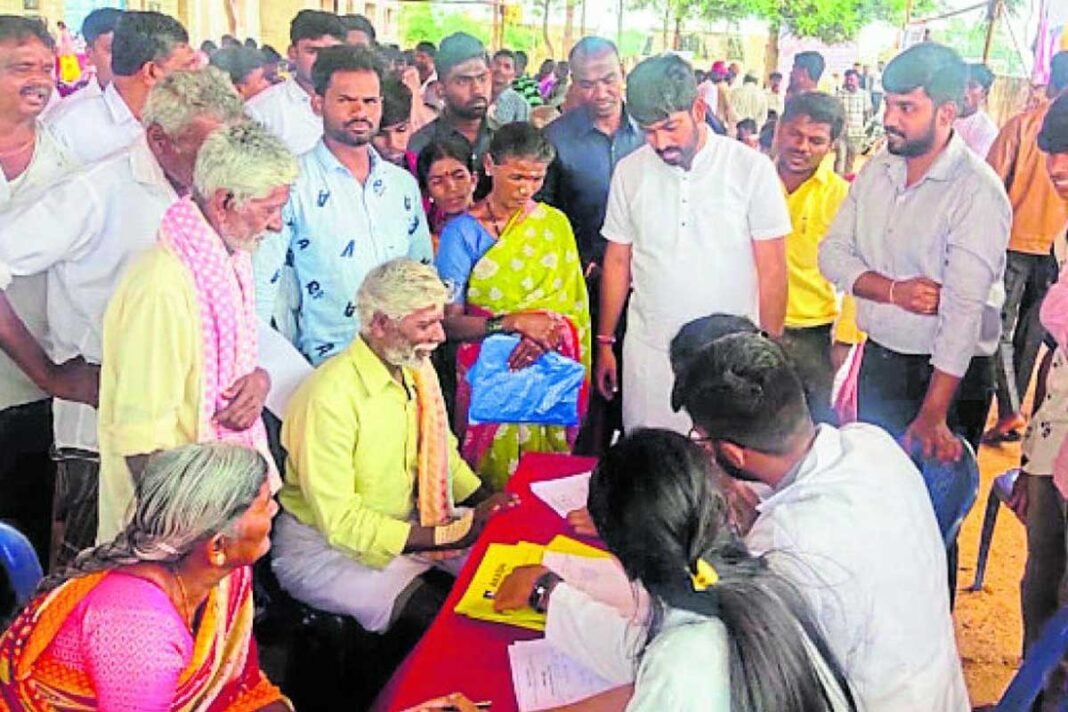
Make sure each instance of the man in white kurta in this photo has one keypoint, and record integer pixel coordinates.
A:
(848, 520)
(695, 224)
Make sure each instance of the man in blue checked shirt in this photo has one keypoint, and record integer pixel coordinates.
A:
(349, 211)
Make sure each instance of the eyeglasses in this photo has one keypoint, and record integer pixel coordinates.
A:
(695, 436)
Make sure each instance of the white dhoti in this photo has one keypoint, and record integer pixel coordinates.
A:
(317, 574)
(647, 384)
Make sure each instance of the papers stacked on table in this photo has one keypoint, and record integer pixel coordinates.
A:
(564, 494)
(543, 677)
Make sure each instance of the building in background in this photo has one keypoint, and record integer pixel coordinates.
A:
(267, 21)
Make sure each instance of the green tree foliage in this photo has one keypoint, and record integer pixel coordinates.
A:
(827, 20)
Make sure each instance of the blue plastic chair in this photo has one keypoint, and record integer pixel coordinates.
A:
(953, 487)
(1000, 492)
(1041, 660)
(20, 563)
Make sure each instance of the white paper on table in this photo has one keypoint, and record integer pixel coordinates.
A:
(543, 677)
(602, 579)
(285, 365)
(565, 494)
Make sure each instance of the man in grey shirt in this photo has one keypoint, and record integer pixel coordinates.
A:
(920, 242)
(508, 104)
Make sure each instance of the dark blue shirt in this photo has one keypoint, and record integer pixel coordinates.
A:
(578, 179)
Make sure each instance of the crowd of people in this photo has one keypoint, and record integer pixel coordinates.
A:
(247, 300)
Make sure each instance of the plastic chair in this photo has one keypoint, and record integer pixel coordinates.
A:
(953, 487)
(1043, 657)
(20, 563)
(1000, 492)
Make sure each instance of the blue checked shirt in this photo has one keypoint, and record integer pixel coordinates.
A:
(335, 232)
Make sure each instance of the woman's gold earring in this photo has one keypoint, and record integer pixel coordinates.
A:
(218, 559)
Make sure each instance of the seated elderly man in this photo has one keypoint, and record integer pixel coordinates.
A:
(373, 472)
(180, 333)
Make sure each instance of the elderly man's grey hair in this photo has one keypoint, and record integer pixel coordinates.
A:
(183, 496)
(244, 159)
(398, 288)
(181, 97)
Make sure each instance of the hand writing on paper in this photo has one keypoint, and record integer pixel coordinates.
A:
(581, 521)
(514, 592)
(247, 396)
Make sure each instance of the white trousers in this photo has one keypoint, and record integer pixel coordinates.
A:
(647, 384)
(315, 573)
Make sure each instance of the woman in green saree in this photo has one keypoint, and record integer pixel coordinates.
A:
(514, 268)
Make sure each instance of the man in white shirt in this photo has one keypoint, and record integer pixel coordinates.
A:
(750, 102)
(974, 125)
(776, 95)
(349, 211)
(286, 108)
(30, 159)
(694, 222)
(146, 48)
(848, 520)
(82, 233)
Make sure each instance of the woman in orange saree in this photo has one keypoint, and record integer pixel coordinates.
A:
(161, 617)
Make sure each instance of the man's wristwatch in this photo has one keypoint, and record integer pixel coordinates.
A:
(494, 325)
(539, 597)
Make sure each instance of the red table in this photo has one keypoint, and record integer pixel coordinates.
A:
(460, 654)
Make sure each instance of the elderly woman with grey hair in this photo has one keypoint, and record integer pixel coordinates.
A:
(180, 333)
(160, 618)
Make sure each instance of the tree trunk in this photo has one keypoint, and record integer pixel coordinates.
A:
(664, 30)
(582, 19)
(771, 50)
(545, 28)
(676, 41)
(569, 25)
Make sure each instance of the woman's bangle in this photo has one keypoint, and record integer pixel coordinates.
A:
(605, 340)
(892, 284)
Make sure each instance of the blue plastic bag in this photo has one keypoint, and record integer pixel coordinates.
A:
(545, 393)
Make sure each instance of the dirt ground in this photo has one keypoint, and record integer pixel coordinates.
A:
(989, 627)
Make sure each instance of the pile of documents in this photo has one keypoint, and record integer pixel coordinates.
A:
(543, 677)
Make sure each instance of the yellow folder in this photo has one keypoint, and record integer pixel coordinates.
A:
(499, 561)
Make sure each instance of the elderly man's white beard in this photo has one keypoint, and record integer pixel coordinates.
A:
(408, 355)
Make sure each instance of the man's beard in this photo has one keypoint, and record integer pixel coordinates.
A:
(912, 147)
(468, 113)
(342, 135)
(408, 355)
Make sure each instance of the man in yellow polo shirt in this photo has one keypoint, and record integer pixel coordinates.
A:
(807, 131)
(372, 471)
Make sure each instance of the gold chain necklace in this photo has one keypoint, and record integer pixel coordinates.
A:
(185, 599)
